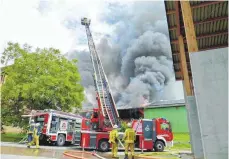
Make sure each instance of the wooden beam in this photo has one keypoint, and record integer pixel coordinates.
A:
(183, 65)
(214, 47)
(203, 36)
(203, 4)
(189, 26)
(213, 34)
(207, 3)
(211, 20)
(172, 27)
(203, 21)
(170, 12)
(179, 73)
(203, 49)
(176, 4)
(184, 68)
(177, 63)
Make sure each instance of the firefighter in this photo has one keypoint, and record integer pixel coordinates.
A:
(129, 139)
(36, 134)
(113, 139)
(30, 131)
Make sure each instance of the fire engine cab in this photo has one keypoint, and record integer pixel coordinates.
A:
(57, 127)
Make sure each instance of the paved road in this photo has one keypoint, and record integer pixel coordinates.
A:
(20, 151)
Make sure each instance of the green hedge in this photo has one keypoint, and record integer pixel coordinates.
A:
(12, 137)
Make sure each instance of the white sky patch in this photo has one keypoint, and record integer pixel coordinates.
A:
(21, 22)
(41, 23)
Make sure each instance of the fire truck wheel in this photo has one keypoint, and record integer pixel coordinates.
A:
(60, 140)
(104, 145)
(159, 146)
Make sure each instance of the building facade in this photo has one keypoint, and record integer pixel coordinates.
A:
(176, 114)
(174, 111)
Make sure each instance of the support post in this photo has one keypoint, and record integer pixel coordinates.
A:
(189, 26)
(184, 67)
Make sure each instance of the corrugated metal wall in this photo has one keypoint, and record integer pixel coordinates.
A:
(176, 115)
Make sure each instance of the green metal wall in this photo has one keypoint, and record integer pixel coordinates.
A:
(176, 115)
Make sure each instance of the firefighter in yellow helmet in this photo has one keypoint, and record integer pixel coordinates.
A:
(36, 134)
(113, 139)
(129, 138)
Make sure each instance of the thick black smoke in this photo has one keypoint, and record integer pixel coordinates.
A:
(137, 59)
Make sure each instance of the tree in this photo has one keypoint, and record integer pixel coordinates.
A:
(43, 79)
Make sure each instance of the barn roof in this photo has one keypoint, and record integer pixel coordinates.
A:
(157, 104)
(211, 27)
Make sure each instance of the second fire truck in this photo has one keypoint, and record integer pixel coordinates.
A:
(57, 127)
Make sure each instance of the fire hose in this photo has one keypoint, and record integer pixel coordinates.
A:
(75, 154)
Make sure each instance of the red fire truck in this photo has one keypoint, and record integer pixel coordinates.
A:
(57, 127)
(150, 134)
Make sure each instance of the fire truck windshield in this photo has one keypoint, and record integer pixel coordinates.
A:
(166, 126)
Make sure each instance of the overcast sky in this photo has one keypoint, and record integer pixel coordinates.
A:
(51, 23)
(56, 23)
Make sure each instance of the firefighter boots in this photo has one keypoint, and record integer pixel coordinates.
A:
(126, 156)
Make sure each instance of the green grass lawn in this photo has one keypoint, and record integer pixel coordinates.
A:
(181, 137)
(181, 141)
(12, 137)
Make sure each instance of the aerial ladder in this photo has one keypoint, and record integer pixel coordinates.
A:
(107, 111)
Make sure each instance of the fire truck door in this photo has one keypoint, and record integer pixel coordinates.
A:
(147, 134)
(93, 140)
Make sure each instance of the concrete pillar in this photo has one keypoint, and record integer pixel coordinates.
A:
(210, 80)
(194, 127)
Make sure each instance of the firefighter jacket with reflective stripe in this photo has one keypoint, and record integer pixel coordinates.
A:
(113, 137)
(31, 129)
(129, 136)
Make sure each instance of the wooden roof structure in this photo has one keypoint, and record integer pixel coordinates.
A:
(209, 22)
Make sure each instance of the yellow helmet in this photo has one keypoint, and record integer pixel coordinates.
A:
(115, 126)
(129, 125)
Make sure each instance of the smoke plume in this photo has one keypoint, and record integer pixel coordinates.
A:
(137, 58)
